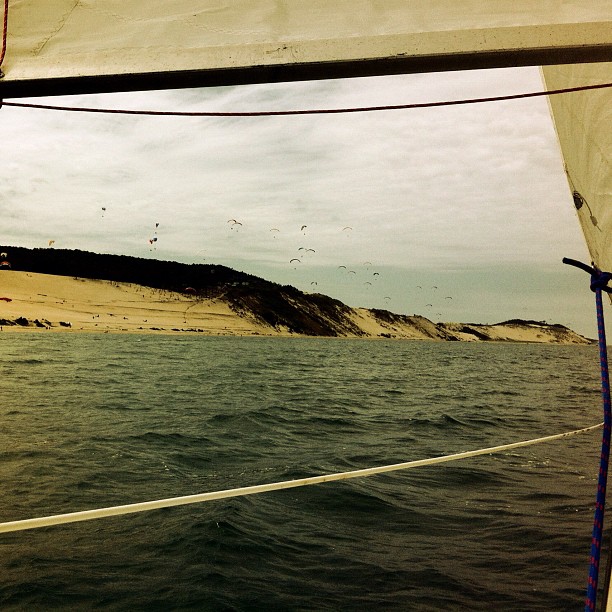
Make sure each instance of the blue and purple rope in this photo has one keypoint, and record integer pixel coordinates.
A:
(599, 283)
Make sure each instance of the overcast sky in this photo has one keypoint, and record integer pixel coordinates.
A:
(459, 213)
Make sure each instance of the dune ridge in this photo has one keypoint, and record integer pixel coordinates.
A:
(37, 302)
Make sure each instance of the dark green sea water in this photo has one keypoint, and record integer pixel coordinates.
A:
(96, 420)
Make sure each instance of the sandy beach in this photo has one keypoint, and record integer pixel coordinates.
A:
(61, 303)
(42, 303)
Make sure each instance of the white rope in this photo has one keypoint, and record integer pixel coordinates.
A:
(88, 515)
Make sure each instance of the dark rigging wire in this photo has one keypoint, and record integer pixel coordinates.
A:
(322, 111)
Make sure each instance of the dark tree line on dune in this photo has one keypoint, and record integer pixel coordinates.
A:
(270, 303)
(123, 268)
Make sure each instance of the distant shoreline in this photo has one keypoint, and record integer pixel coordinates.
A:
(33, 302)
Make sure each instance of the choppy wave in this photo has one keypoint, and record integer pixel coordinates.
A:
(105, 420)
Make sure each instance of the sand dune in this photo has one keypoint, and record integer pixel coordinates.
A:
(63, 303)
(43, 303)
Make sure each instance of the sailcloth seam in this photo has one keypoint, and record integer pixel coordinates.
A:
(4, 34)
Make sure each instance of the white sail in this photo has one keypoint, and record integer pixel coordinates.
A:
(73, 46)
(583, 121)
